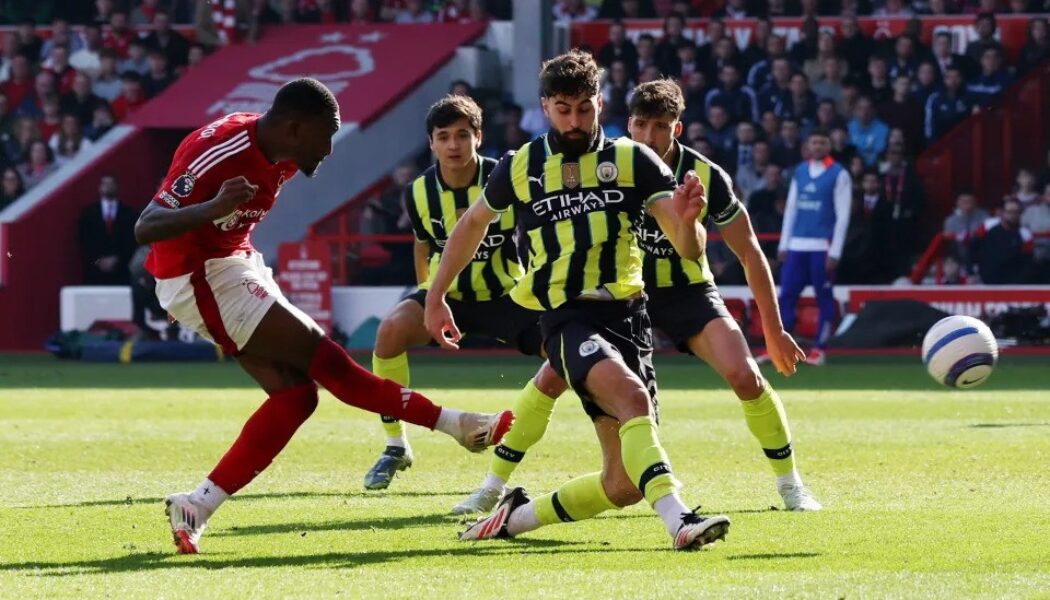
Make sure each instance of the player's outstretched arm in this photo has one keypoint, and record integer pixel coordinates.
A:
(741, 239)
(157, 222)
(460, 248)
(678, 216)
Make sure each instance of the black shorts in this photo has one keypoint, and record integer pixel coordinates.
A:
(683, 312)
(579, 334)
(502, 319)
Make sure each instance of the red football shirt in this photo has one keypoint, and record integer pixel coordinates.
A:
(223, 150)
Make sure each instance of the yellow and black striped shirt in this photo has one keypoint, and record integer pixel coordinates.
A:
(434, 209)
(662, 267)
(578, 216)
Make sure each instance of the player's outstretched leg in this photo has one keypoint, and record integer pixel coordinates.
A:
(532, 413)
(292, 399)
(284, 337)
(400, 330)
(721, 344)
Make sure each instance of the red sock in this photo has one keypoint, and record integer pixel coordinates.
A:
(264, 436)
(333, 368)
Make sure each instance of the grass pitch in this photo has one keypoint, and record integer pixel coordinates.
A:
(928, 492)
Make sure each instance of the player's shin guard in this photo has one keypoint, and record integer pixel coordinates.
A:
(333, 368)
(645, 460)
(767, 421)
(579, 499)
(532, 414)
(264, 435)
(395, 369)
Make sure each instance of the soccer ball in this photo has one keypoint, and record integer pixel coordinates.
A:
(960, 352)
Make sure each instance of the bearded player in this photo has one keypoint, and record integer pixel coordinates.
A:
(223, 180)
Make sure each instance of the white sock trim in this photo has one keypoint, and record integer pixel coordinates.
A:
(400, 441)
(449, 422)
(792, 478)
(523, 519)
(493, 482)
(209, 496)
(670, 508)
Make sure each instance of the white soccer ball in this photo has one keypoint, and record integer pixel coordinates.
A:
(960, 352)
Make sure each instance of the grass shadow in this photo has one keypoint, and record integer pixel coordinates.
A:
(1006, 425)
(373, 523)
(128, 500)
(774, 556)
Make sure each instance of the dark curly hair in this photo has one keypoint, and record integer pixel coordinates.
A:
(656, 99)
(571, 74)
(452, 108)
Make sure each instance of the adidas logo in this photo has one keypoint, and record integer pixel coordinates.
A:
(810, 188)
(406, 397)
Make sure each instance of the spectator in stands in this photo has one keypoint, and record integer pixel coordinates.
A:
(947, 108)
(88, 59)
(666, 52)
(860, 252)
(11, 187)
(33, 103)
(927, 81)
(694, 131)
(51, 117)
(739, 102)
(165, 39)
(756, 47)
(107, 238)
(646, 53)
(765, 206)
(779, 84)
(962, 225)
(1036, 47)
(814, 67)
(29, 43)
(619, 47)
(991, 81)
(905, 62)
(1025, 188)
(196, 55)
(855, 46)
(749, 177)
(137, 60)
(986, 27)
(726, 54)
(69, 140)
(866, 132)
(743, 149)
(614, 94)
(24, 132)
(829, 85)
(7, 120)
(903, 194)
(800, 105)
(455, 11)
(107, 84)
(8, 52)
(59, 67)
(20, 84)
(120, 36)
(770, 125)
(1036, 218)
(688, 59)
(856, 169)
(143, 13)
(720, 132)
(569, 11)
(903, 112)
(877, 87)
(762, 72)
(103, 12)
(510, 135)
(627, 9)
(695, 90)
(806, 47)
(81, 101)
(39, 163)
(828, 116)
(944, 58)
(841, 149)
(1004, 248)
(734, 9)
(414, 11)
(715, 31)
(160, 75)
(131, 96)
(101, 122)
(61, 36)
(787, 151)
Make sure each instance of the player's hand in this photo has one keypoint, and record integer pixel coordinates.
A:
(690, 198)
(830, 265)
(437, 317)
(783, 352)
(233, 193)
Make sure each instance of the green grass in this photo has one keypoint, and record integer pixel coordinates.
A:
(928, 492)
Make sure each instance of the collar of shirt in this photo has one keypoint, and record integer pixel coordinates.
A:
(817, 167)
(109, 208)
(550, 141)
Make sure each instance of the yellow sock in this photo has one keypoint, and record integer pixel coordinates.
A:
(579, 499)
(645, 460)
(532, 414)
(768, 423)
(395, 369)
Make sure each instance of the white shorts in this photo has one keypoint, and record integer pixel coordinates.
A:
(226, 300)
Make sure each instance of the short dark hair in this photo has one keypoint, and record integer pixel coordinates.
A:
(452, 108)
(647, 36)
(657, 98)
(821, 131)
(571, 74)
(304, 97)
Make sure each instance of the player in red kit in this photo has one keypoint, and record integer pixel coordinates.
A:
(223, 180)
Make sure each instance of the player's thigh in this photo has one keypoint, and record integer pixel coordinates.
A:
(508, 322)
(402, 329)
(615, 481)
(272, 376)
(284, 336)
(722, 345)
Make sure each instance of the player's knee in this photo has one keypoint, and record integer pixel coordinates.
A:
(390, 338)
(745, 380)
(549, 383)
(620, 491)
(633, 402)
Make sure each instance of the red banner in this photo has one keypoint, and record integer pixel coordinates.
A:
(305, 276)
(367, 67)
(1012, 30)
(983, 301)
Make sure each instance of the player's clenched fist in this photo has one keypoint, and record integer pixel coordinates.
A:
(232, 194)
(690, 198)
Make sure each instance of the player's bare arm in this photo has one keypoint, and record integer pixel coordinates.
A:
(741, 239)
(157, 222)
(462, 243)
(421, 261)
(678, 216)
